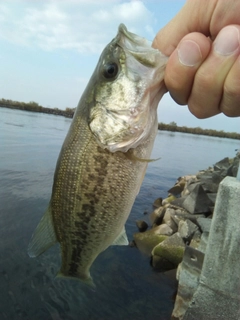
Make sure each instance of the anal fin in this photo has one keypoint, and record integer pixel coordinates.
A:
(122, 239)
(43, 237)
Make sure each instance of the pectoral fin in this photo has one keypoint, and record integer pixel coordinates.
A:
(43, 237)
(122, 239)
(131, 156)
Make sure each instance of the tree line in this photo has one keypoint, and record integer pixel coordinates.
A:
(69, 112)
(35, 107)
(172, 126)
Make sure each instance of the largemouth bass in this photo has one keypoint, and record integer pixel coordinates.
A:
(104, 156)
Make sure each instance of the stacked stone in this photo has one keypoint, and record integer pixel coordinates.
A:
(183, 219)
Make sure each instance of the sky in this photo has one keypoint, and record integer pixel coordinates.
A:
(49, 49)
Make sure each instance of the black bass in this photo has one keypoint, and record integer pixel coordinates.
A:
(103, 159)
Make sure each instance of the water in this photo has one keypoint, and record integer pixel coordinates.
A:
(127, 286)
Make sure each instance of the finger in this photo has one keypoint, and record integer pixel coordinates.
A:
(230, 103)
(207, 90)
(183, 64)
(193, 17)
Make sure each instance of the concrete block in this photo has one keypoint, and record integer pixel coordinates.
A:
(197, 201)
(218, 294)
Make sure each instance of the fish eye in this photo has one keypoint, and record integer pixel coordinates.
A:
(110, 70)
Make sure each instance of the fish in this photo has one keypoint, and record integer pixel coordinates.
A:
(104, 156)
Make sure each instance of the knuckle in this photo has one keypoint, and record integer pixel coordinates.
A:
(230, 104)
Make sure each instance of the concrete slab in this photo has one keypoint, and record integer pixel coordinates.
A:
(218, 293)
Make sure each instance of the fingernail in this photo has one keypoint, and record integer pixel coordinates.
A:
(189, 53)
(227, 41)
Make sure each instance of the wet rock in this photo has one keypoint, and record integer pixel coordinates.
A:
(167, 219)
(164, 229)
(157, 203)
(187, 229)
(146, 241)
(161, 264)
(142, 225)
(157, 215)
(197, 201)
(170, 250)
(168, 199)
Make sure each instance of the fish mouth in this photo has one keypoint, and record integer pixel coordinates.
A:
(137, 46)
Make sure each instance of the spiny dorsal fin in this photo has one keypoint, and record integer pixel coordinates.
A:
(43, 237)
(122, 239)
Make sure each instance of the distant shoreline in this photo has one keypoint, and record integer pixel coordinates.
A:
(35, 107)
(173, 127)
(69, 112)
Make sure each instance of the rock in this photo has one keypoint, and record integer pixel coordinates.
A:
(203, 243)
(218, 176)
(142, 225)
(196, 240)
(187, 229)
(161, 264)
(132, 244)
(183, 215)
(233, 169)
(147, 240)
(157, 215)
(164, 229)
(168, 200)
(170, 250)
(191, 181)
(197, 201)
(157, 203)
(222, 164)
(209, 186)
(178, 201)
(205, 224)
(177, 189)
(167, 219)
(212, 197)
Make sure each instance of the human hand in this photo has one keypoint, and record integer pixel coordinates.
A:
(203, 45)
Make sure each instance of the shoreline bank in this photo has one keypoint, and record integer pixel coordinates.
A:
(69, 112)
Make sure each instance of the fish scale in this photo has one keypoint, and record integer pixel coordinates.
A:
(104, 156)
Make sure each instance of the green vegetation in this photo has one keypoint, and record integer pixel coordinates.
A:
(35, 107)
(172, 126)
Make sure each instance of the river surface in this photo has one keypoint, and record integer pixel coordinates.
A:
(127, 286)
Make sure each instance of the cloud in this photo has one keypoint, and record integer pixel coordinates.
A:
(83, 26)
